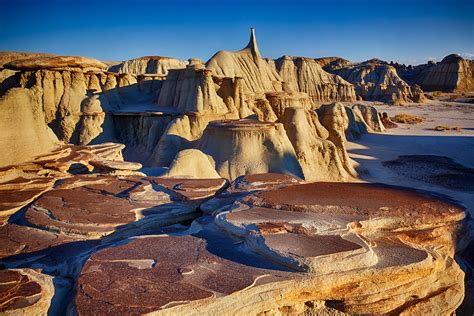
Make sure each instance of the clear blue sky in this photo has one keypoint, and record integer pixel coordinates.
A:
(406, 31)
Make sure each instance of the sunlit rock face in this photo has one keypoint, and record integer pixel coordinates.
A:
(452, 73)
(306, 75)
(241, 147)
(158, 65)
(378, 81)
(247, 63)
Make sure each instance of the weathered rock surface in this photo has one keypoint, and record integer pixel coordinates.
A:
(335, 62)
(56, 63)
(6, 57)
(368, 115)
(191, 90)
(318, 157)
(25, 292)
(22, 183)
(323, 247)
(193, 163)
(158, 65)
(452, 74)
(72, 208)
(241, 147)
(160, 272)
(306, 75)
(378, 82)
(24, 132)
(248, 64)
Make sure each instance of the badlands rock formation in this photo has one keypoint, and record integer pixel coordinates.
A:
(374, 80)
(272, 244)
(24, 131)
(306, 75)
(158, 116)
(6, 57)
(247, 63)
(247, 146)
(233, 225)
(452, 74)
(158, 65)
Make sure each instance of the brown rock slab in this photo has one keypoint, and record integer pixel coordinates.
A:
(152, 273)
(93, 206)
(191, 189)
(370, 200)
(17, 239)
(24, 292)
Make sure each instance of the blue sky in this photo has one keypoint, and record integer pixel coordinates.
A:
(405, 31)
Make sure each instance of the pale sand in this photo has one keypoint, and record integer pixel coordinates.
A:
(372, 149)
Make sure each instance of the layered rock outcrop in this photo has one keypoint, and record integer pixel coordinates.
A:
(319, 158)
(451, 74)
(25, 292)
(191, 90)
(156, 116)
(306, 249)
(77, 103)
(6, 57)
(158, 65)
(258, 76)
(24, 132)
(378, 82)
(306, 75)
(247, 146)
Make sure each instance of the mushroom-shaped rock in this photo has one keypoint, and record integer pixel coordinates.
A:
(246, 146)
(56, 63)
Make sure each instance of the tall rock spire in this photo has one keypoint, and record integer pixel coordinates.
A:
(252, 45)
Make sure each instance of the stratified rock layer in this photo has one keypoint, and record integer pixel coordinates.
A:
(55, 62)
(158, 65)
(306, 75)
(452, 74)
(333, 251)
(378, 82)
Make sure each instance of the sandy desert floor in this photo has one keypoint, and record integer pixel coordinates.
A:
(426, 173)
